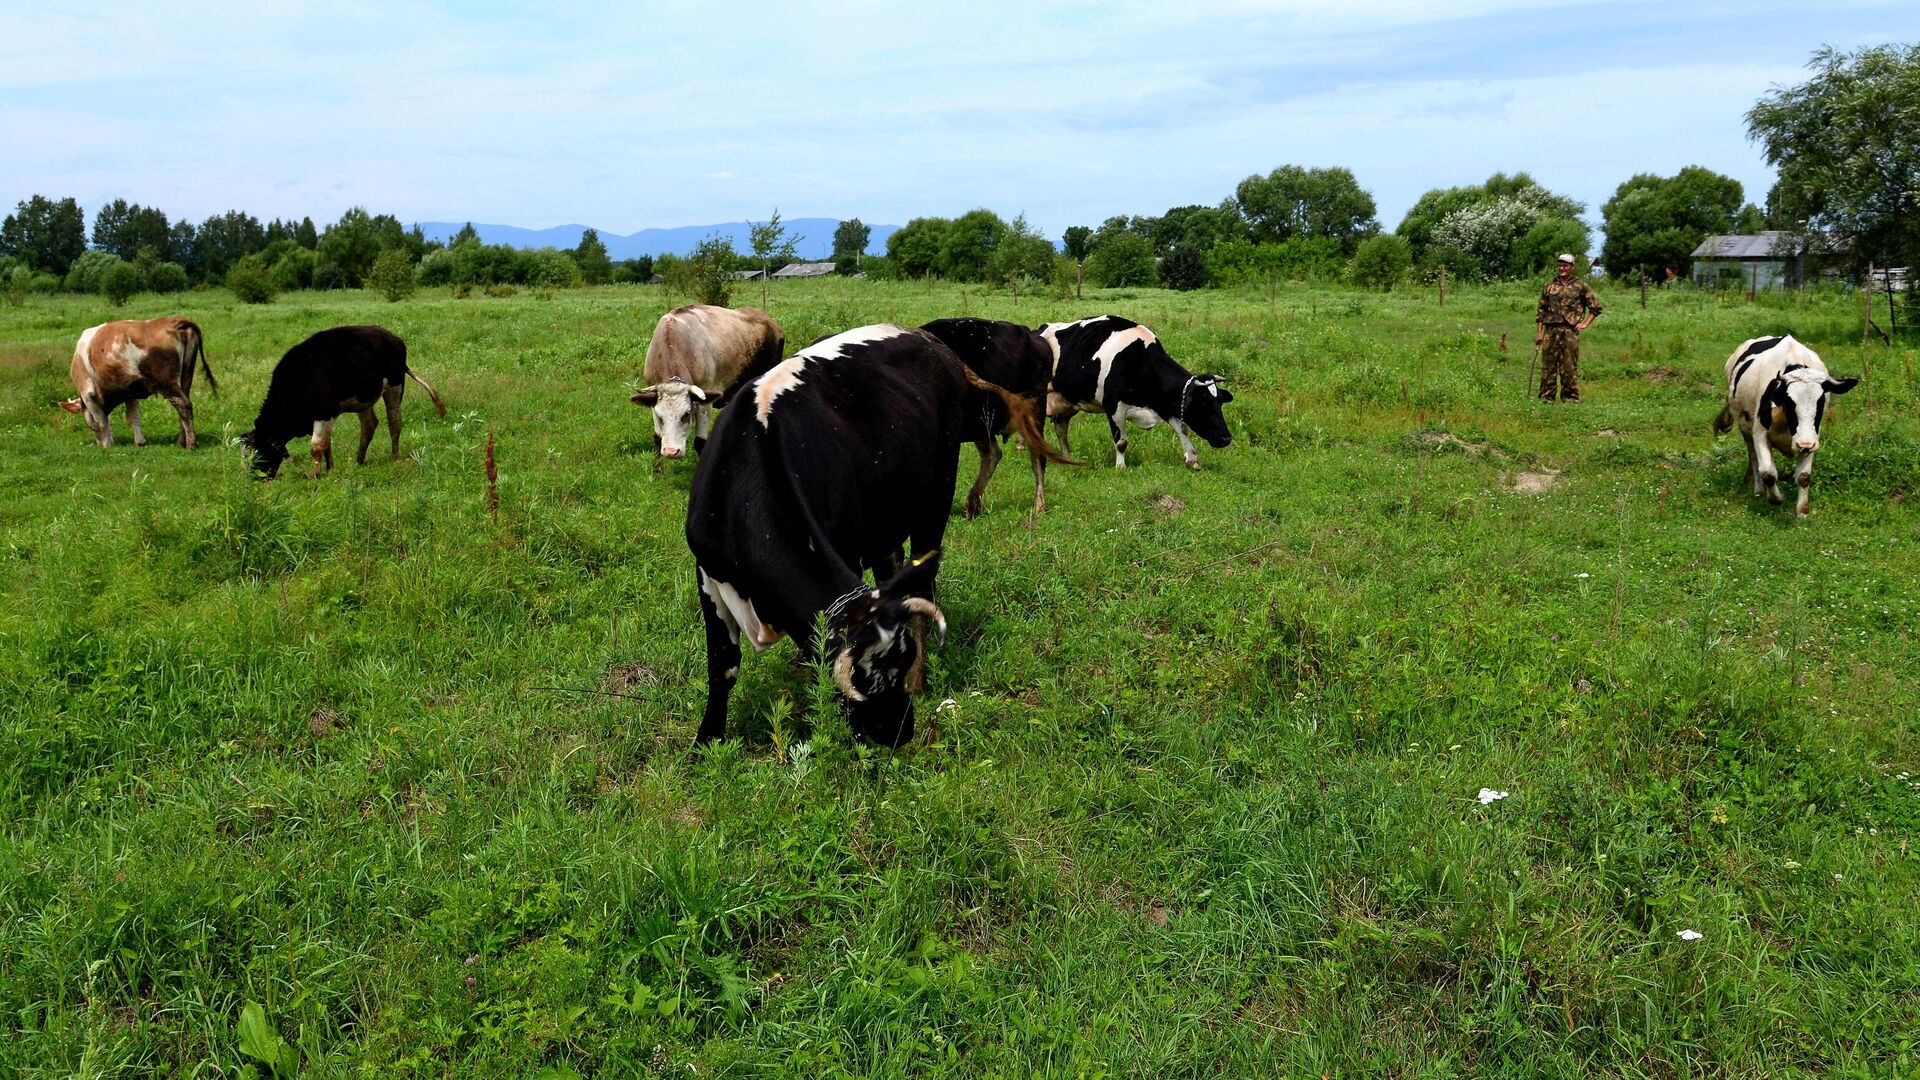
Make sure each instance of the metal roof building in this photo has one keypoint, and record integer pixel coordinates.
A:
(804, 269)
(1768, 260)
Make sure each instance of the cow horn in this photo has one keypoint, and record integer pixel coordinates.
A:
(843, 675)
(920, 605)
(696, 392)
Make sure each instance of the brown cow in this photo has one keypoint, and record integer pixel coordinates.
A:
(696, 353)
(122, 362)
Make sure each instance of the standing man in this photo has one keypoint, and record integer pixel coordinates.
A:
(1567, 307)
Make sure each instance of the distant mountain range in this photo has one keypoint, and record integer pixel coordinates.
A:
(816, 237)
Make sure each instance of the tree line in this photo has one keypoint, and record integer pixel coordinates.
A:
(1842, 142)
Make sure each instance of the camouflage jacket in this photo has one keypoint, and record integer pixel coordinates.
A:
(1562, 303)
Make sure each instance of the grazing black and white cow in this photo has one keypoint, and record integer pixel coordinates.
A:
(1017, 358)
(819, 470)
(1112, 365)
(345, 369)
(1777, 392)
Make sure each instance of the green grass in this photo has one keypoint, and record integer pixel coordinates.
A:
(1204, 803)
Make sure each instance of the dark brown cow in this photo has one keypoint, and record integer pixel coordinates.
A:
(119, 363)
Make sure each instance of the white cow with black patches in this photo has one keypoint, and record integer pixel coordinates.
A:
(1777, 391)
(1111, 365)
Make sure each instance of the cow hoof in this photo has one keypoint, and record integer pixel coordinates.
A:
(972, 510)
(1194, 465)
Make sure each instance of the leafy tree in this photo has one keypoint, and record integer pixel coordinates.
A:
(967, 248)
(1543, 243)
(250, 281)
(120, 281)
(294, 269)
(225, 239)
(1293, 201)
(1184, 266)
(1656, 222)
(1022, 255)
(1484, 230)
(1382, 261)
(914, 250)
(1751, 220)
(551, 268)
(707, 273)
(1074, 242)
(85, 275)
(167, 277)
(391, 275)
(1122, 258)
(327, 276)
(1198, 227)
(771, 243)
(124, 229)
(305, 235)
(45, 234)
(353, 242)
(1438, 204)
(467, 235)
(18, 279)
(1845, 146)
(1303, 258)
(590, 255)
(850, 238)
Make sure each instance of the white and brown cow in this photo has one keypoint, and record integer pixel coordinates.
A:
(696, 354)
(123, 362)
(1777, 392)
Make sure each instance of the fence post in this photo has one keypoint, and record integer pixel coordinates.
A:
(1643, 288)
(1443, 284)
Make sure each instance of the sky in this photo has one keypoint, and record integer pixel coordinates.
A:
(646, 115)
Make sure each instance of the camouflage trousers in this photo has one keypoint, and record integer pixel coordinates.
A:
(1560, 362)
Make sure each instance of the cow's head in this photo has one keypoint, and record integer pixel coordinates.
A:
(265, 454)
(1796, 401)
(673, 405)
(1200, 409)
(879, 654)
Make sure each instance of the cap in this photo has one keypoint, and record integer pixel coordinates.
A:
(1566, 258)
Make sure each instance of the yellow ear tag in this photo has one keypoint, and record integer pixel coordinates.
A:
(929, 555)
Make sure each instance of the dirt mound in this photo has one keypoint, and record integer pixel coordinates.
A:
(1533, 483)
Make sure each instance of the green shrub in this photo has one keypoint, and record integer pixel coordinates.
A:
(120, 281)
(435, 269)
(331, 275)
(250, 281)
(18, 282)
(392, 275)
(294, 269)
(551, 268)
(45, 283)
(502, 290)
(167, 277)
(84, 276)
(1382, 261)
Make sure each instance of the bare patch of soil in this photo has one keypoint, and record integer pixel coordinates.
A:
(1534, 483)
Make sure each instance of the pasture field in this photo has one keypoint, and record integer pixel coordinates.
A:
(283, 784)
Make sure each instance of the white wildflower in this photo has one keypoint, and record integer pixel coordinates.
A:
(1689, 935)
(1489, 796)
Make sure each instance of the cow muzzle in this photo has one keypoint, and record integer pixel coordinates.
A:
(1805, 446)
(673, 452)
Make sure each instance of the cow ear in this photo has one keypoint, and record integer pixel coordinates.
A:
(916, 578)
(648, 397)
(1832, 386)
(72, 405)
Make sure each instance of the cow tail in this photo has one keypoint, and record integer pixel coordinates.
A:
(1024, 421)
(1724, 422)
(439, 406)
(200, 356)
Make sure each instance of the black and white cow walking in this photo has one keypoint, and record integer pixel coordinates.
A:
(1115, 366)
(819, 470)
(1014, 357)
(1777, 392)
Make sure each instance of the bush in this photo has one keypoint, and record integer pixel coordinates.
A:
(1382, 261)
(331, 275)
(391, 275)
(1184, 268)
(84, 276)
(294, 269)
(167, 277)
(707, 274)
(501, 290)
(18, 282)
(435, 269)
(552, 268)
(45, 283)
(120, 281)
(250, 281)
(1124, 259)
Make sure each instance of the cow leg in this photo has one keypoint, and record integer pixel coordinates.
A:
(1753, 464)
(1060, 432)
(1039, 485)
(369, 423)
(723, 663)
(393, 396)
(1803, 479)
(183, 405)
(1186, 444)
(133, 421)
(989, 461)
(1119, 427)
(1769, 475)
(97, 420)
(702, 426)
(321, 448)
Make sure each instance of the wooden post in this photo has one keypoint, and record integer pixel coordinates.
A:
(1753, 282)
(1076, 279)
(1893, 310)
(493, 483)
(1643, 288)
(1443, 284)
(1866, 331)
